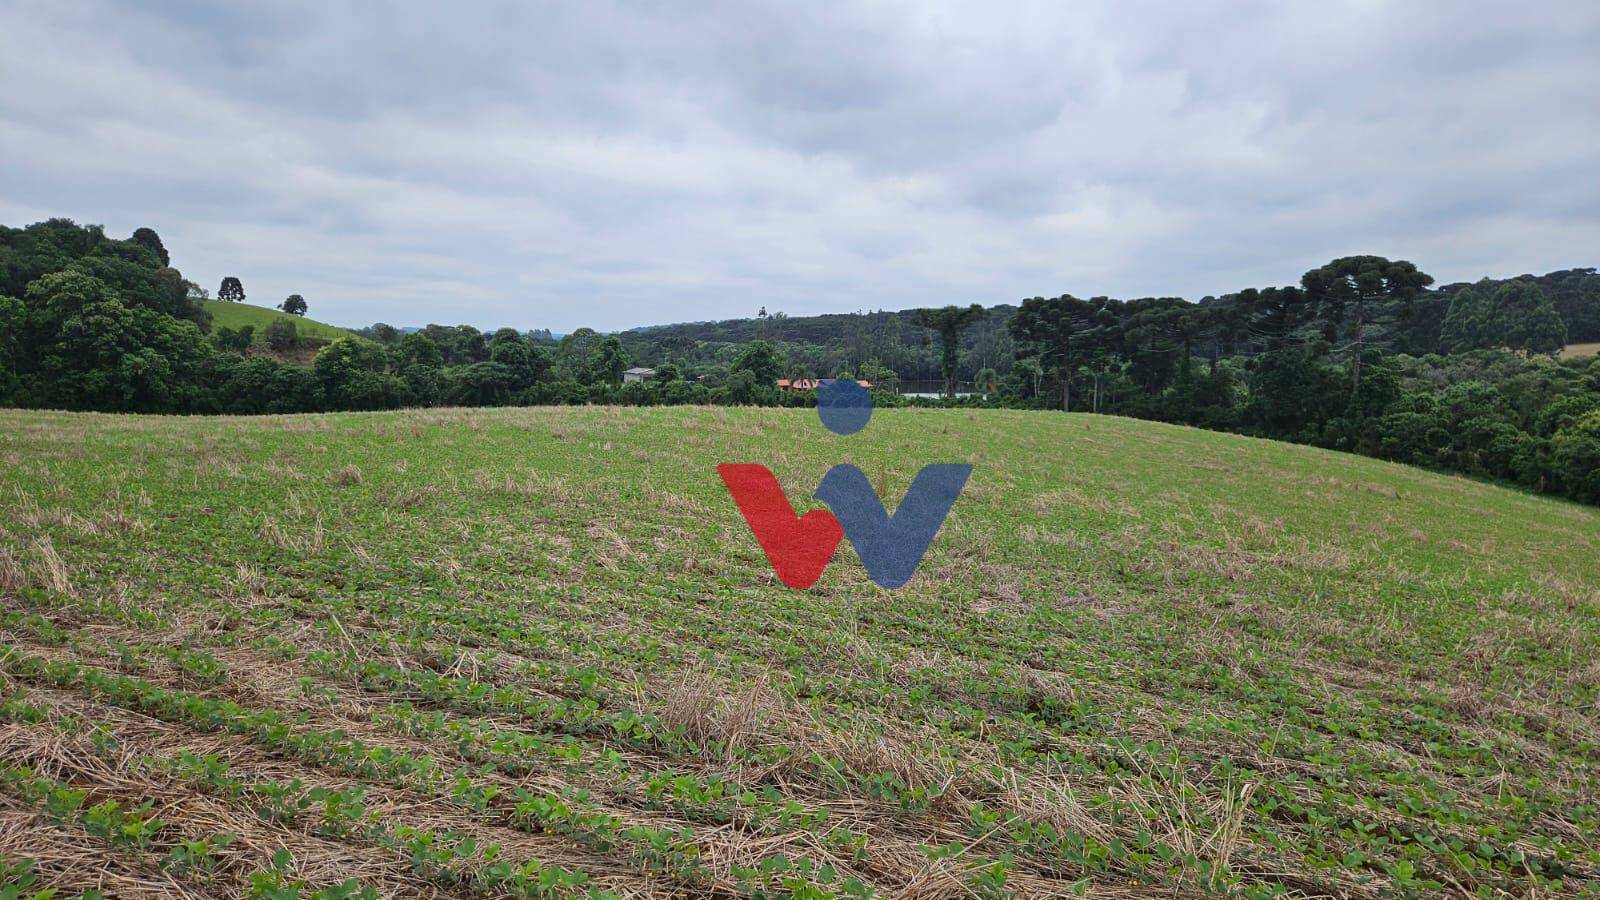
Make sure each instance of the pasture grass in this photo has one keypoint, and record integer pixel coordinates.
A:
(226, 314)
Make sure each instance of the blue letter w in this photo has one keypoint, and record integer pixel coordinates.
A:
(892, 548)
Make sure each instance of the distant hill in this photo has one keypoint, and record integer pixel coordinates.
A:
(830, 343)
(225, 314)
(1146, 332)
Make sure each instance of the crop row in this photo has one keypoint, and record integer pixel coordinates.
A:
(711, 799)
(699, 797)
(1324, 732)
(1327, 812)
(134, 827)
(572, 812)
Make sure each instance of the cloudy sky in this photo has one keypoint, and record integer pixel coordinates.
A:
(619, 164)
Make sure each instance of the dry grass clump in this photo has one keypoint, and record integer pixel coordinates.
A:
(38, 517)
(722, 720)
(49, 570)
(716, 721)
(12, 576)
(1565, 595)
(348, 475)
(870, 750)
(609, 546)
(484, 481)
(404, 498)
(117, 520)
(302, 540)
(1049, 797)
(272, 534)
(34, 517)
(1174, 808)
(61, 860)
(675, 503)
(531, 483)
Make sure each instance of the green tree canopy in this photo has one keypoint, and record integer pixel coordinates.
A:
(1515, 314)
(417, 349)
(1349, 285)
(231, 290)
(948, 323)
(90, 350)
(525, 360)
(353, 374)
(148, 239)
(281, 335)
(1046, 330)
(762, 360)
(610, 360)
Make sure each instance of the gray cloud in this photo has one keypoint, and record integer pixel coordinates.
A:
(615, 164)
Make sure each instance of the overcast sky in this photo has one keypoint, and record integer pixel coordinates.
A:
(612, 165)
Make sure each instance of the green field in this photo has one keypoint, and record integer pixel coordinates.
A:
(1576, 350)
(237, 315)
(536, 652)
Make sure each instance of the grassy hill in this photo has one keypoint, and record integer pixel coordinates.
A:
(237, 315)
(1138, 658)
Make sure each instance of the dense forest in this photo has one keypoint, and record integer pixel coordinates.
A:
(1417, 322)
(1365, 354)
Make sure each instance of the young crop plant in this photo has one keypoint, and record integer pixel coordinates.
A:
(281, 802)
(780, 877)
(196, 856)
(668, 851)
(276, 882)
(19, 880)
(119, 826)
(447, 859)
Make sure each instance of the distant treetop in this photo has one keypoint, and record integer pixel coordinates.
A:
(147, 237)
(231, 290)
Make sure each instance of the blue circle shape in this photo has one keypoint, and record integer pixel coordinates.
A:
(844, 406)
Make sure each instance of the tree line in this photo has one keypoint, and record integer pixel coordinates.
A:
(1364, 354)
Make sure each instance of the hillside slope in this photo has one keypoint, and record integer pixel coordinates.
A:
(1138, 658)
(236, 315)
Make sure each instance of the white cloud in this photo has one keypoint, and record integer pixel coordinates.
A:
(616, 164)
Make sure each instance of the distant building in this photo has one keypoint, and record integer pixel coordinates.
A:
(638, 373)
(799, 385)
